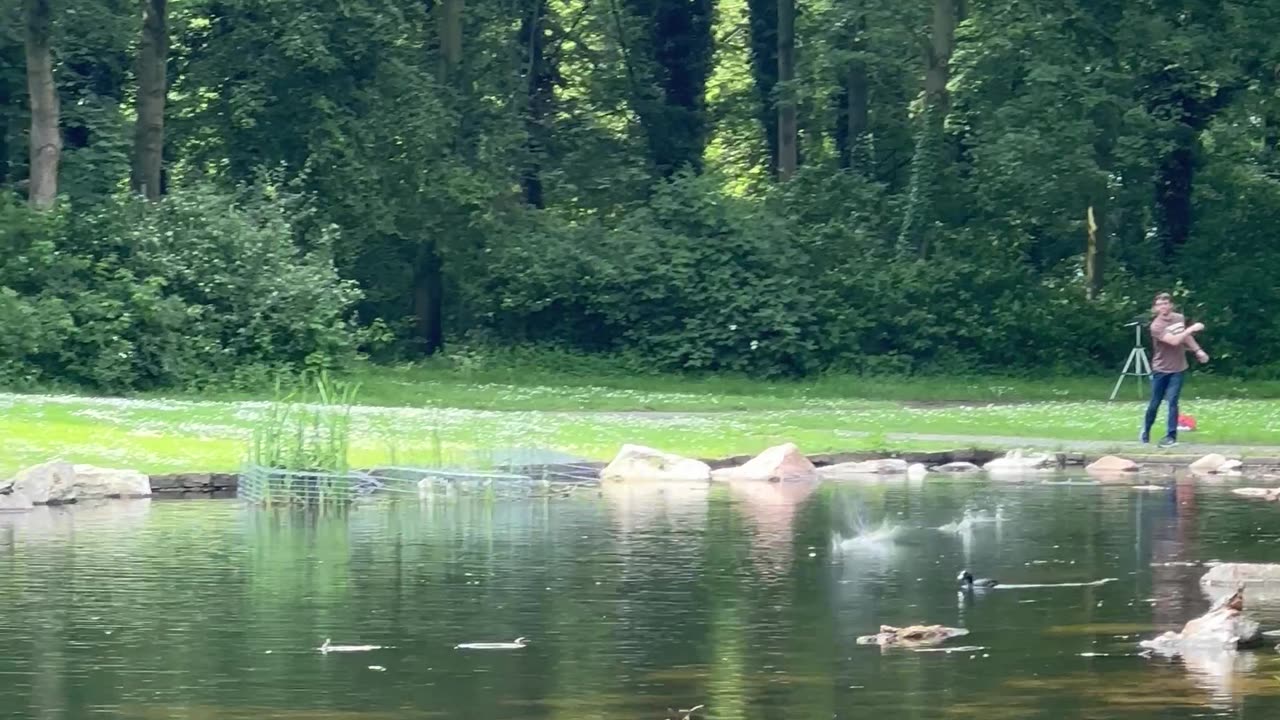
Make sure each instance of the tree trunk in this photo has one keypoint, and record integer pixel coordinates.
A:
(858, 156)
(428, 275)
(148, 137)
(671, 102)
(449, 25)
(919, 223)
(46, 137)
(763, 24)
(5, 97)
(428, 301)
(540, 78)
(1174, 179)
(942, 43)
(786, 101)
(1093, 255)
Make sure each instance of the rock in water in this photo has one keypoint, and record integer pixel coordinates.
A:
(887, 466)
(1240, 574)
(781, 462)
(1108, 464)
(1224, 627)
(1018, 462)
(957, 467)
(96, 482)
(51, 482)
(1213, 464)
(1264, 493)
(911, 636)
(637, 462)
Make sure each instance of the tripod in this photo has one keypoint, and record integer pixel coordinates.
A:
(1138, 365)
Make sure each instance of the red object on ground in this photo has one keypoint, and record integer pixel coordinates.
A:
(1186, 422)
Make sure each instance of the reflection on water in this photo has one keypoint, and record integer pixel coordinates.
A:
(639, 601)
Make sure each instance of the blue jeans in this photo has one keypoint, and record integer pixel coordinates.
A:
(1164, 386)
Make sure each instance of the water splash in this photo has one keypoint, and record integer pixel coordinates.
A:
(867, 537)
(971, 518)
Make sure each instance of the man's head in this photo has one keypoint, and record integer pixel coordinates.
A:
(1163, 304)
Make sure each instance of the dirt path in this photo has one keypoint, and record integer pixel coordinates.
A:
(1000, 441)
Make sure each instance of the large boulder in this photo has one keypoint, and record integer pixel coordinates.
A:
(637, 462)
(956, 467)
(1224, 627)
(1110, 464)
(51, 482)
(781, 462)
(96, 482)
(887, 466)
(1238, 574)
(1214, 464)
(911, 636)
(59, 482)
(1016, 461)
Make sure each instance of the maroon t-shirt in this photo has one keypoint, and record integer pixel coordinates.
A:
(1166, 358)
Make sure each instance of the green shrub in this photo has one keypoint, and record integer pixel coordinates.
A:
(205, 286)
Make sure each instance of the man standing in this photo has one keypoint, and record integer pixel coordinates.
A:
(1171, 338)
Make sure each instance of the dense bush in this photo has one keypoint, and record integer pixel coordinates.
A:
(205, 286)
(698, 280)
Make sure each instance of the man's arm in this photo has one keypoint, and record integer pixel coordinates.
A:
(1190, 341)
(1183, 336)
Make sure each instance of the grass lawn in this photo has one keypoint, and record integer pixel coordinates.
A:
(413, 418)
(570, 385)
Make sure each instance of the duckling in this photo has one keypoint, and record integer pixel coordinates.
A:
(967, 581)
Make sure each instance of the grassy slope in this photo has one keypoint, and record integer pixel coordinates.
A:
(417, 415)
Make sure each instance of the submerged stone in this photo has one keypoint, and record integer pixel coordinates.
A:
(911, 635)
(887, 466)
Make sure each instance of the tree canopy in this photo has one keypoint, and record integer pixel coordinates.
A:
(775, 187)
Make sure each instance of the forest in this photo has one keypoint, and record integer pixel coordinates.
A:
(211, 191)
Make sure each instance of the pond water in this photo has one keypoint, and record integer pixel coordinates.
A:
(637, 603)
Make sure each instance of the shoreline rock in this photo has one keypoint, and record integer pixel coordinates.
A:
(637, 462)
(775, 464)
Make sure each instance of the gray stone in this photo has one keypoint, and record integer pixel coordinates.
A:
(887, 466)
(637, 462)
(957, 467)
(1224, 627)
(51, 482)
(782, 462)
(1239, 574)
(911, 636)
(96, 482)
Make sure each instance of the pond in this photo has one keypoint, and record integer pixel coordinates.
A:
(636, 602)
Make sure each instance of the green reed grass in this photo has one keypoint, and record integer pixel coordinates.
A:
(306, 433)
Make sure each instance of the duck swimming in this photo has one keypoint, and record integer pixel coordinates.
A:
(968, 581)
(515, 645)
(328, 647)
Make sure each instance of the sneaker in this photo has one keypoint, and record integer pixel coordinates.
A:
(1143, 438)
(1168, 442)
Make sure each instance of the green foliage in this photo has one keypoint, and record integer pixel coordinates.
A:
(203, 287)
(950, 239)
(691, 280)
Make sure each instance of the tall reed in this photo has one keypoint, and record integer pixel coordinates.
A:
(307, 429)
